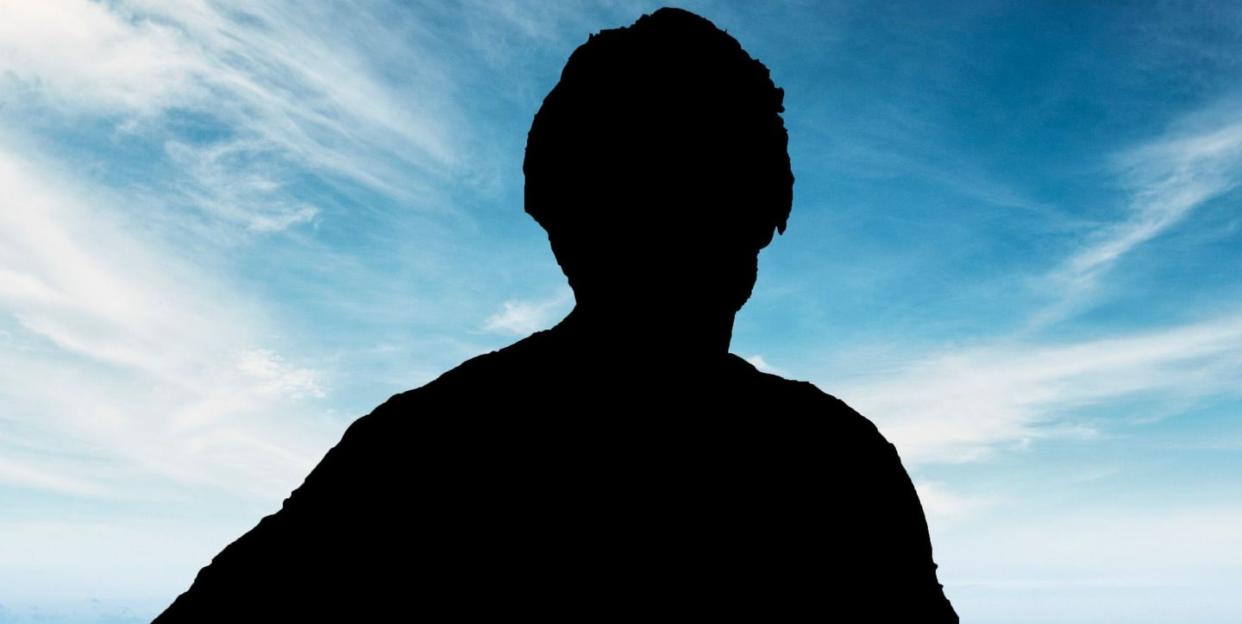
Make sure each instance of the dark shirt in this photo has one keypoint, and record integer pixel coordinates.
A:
(544, 480)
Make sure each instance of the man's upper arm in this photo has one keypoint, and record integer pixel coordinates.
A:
(902, 526)
(269, 569)
(896, 575)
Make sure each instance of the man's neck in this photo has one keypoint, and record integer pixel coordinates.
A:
(648, 335)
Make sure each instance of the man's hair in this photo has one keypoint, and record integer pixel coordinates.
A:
(668, 114)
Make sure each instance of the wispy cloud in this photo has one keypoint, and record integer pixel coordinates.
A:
(226, 116)
(75, 54)
(962, 404)
(272, 90)
(232, 184)
(1167, 180)
(942, 504)
(521, 317)
(760, 363)
(122, 350)
(35, 474)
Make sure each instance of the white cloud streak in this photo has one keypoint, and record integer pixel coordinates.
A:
(960, 405)
(121, 350)
(762, 365)
(77, 53)
(1168, 179)
(941, 504)
(281, 87)
(522, 317)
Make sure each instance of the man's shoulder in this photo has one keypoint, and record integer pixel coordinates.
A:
(483, 373)
(506, 366)
(811, 402)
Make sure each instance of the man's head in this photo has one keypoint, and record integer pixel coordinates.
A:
(659, 167)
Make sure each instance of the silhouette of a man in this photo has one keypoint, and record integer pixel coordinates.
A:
(623, 463)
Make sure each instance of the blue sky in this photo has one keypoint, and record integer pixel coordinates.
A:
(227, 229)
